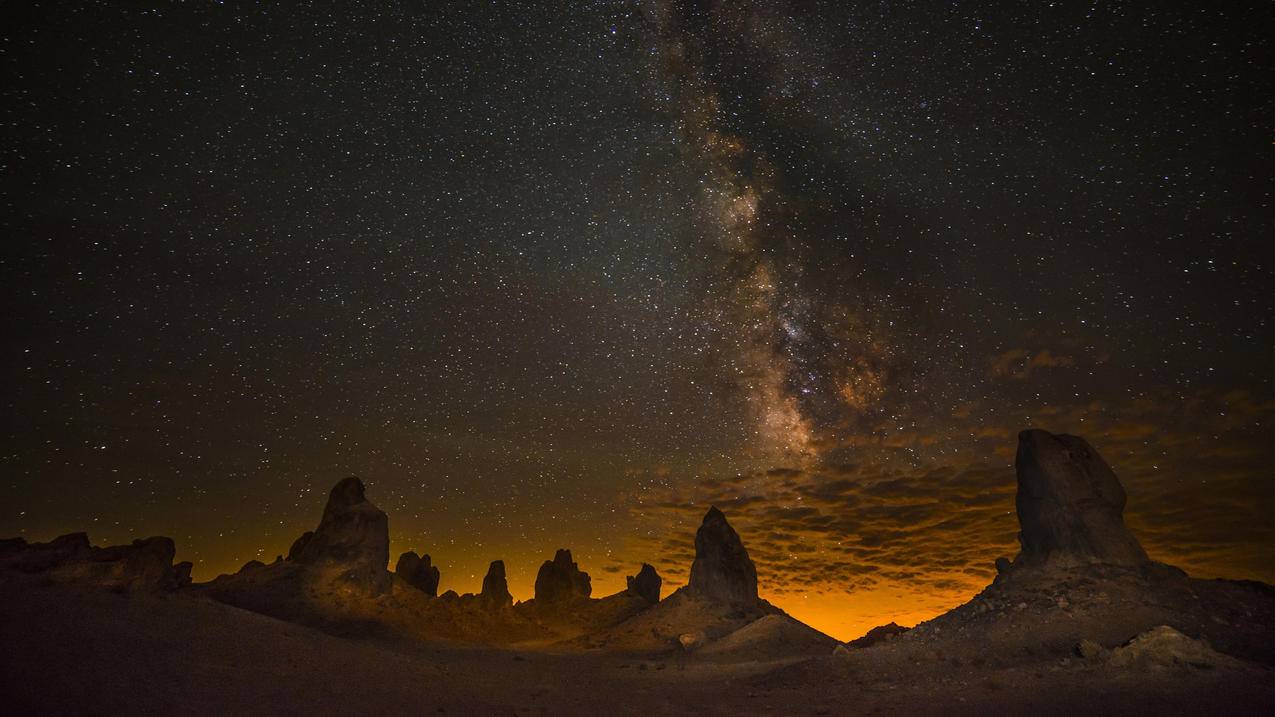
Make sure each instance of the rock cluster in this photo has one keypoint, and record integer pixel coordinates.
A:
(352, 541)
(416, 570)
(561, 580)
(722, 570)
(646, 584)
(1070, 505)
(144, 565)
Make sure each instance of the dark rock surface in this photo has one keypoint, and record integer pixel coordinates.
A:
(646, 584)
(352, 540)
(1070, 505)
(417, 571)
(18, 554)
(299, 544)
(561, 580)
(495, 593)
(142, 565)
(722, 570)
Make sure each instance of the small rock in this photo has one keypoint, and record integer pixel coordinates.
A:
(1089, 650)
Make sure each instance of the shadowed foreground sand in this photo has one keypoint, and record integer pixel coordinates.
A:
(74, 650)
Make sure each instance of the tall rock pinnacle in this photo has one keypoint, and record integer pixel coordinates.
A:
(353, 539)
(495, 591)
(1070, 505)
(722, 570)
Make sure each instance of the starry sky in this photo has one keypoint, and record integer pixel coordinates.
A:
(564, 274)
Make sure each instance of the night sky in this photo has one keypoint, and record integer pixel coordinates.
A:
(562, 276)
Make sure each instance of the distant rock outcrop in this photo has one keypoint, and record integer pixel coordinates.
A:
(646, 584)
(143, 565)
(416, 570)
(561, 580)
(1070, 505)
(352, 540)
(722, 570)
(495, 593)
(880, 633)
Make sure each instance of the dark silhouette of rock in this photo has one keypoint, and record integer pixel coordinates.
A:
(561, 580)
(495, 591)
(142, 565)
(352, 540)
(646, 584)
(252, 566)
(299, 544)
(881, 633)
(722, 570)
(18, 554)
(416, 571)
(1070, 505)
(181, 573)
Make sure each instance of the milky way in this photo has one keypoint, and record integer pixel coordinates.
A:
(560, 276)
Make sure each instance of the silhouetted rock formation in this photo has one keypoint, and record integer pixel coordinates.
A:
(143, 565)
(646, 584)
(722, 569)
(352, 540)
(299, 544)
(416, 571)
(1083, 585)
(495, 592)
(877, 634)
(1070, 505)
(18, 554)
(561, 580)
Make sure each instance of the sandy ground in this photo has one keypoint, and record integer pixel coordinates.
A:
(69, 650)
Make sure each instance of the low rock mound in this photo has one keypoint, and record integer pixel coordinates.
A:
(772, 637)
(880, 633)
(1163, 648)
(143, 565)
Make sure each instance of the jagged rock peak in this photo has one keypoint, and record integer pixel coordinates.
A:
(417, 571)
(561, 579)
(646, 584)
(1070, 505)
(495, 589)
(353, 536)
(722, 570)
